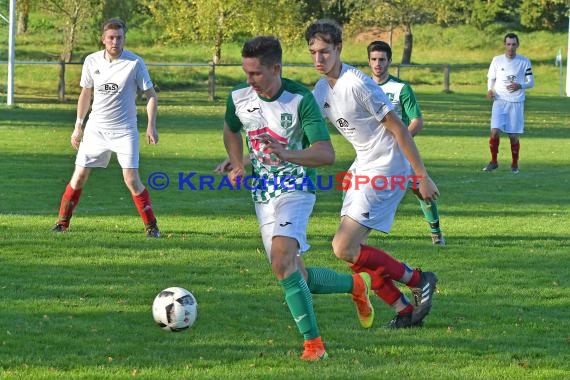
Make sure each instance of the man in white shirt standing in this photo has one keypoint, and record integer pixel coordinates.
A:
(509, 75)
(111, 77)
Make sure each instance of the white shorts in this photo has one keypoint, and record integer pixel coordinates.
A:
(508, 116)
(375, 208)
(98, 144)
(287, 215)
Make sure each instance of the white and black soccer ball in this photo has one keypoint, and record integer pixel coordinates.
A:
(175, 309)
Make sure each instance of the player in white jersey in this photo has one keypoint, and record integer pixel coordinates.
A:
(111, 76)
(509, 76)
(362, 113)
(408, 109)
(287, 139)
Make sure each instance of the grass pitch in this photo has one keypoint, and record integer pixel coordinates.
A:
(78, 305)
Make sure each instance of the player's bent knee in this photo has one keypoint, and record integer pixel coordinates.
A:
(342, 251)
(281, 266)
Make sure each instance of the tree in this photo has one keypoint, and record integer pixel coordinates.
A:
(487, 12)
(72, 16)
(544, 14)
(218, 21)
(22, 12)
(393, 13)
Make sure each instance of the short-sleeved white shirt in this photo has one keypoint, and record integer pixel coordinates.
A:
(114, 88)
(506, 70)
(356, 106)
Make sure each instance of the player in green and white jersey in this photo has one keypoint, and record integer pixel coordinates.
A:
(407, 107)
(287, 139)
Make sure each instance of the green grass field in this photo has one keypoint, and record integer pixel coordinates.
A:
(78, 305)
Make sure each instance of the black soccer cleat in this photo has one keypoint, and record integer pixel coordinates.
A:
(423, 294)
(59, 228)
(400, 321)
(152, 230)
(491, 166)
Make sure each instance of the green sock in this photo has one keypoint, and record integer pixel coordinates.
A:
(327, 281)
(300, 302)
(431, 215)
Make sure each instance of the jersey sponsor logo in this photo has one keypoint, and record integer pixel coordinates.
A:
(344, 126)
(342, 123)
(108, 88)
(286, 120)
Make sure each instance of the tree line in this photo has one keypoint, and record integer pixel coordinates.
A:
(215, 22)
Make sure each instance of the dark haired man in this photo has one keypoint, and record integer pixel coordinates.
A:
(509, 76)
(408, 109)
(287, 139)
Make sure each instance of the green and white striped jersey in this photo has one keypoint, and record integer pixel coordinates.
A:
(291, 117)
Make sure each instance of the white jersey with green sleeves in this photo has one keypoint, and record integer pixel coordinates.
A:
(291, 117)
(403, 98)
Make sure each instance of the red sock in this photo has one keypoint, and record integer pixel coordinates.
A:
(142, 202)
(494, 147)
(388, 292)
(515, 153)
(386, 289)
(380, 264)
(377, 280)
(69, 200)
(374, 258)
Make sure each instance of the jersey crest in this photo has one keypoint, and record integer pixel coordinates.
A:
(286, 120)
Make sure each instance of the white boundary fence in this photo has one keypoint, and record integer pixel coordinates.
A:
(446, 72)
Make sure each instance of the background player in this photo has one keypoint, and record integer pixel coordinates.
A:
(509, 75)
(112, 76)
(406, 106)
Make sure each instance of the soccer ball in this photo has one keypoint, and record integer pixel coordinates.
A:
(175, 309)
